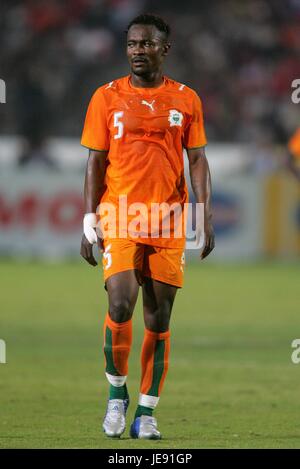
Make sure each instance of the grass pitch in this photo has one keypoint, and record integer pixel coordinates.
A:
(231, 382)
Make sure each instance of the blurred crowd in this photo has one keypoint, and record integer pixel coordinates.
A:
(240, 56)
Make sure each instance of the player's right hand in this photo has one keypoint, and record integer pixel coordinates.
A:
(86, 251)
(90, 238)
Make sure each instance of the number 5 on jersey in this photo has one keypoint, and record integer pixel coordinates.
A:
(118, 124)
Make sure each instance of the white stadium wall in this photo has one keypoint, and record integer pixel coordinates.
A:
(41, 210)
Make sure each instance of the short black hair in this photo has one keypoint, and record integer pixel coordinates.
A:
(154, 20)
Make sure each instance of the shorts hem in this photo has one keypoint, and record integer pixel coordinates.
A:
(121, 270)
(163, 280)
(153, 276)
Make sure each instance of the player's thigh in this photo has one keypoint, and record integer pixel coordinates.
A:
(158, 299)
(122, 289)
(163, 275)
(122, 265)
(158, 295)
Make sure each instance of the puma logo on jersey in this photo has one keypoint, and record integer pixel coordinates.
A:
(149, 104)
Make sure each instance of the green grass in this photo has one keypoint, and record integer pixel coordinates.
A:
(231, 382)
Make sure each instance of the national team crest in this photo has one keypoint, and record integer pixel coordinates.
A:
(175, 117)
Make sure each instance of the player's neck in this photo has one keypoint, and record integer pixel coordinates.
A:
(152, 80)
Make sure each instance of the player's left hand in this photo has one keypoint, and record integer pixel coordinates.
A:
(209, 240)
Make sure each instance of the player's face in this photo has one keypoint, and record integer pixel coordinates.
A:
(146, 49)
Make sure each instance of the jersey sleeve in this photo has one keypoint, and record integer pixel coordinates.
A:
(95, 133)
(194, 135)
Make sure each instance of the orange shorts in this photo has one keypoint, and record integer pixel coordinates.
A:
(163, 264)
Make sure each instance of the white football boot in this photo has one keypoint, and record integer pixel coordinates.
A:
(145, 427)
(114, 420)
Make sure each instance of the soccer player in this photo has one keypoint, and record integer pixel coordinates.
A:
(135, 129)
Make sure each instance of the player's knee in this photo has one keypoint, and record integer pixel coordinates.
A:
(120, 309)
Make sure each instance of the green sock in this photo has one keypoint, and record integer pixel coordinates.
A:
(119, 392)
(141, 410)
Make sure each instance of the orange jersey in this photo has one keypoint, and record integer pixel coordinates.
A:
(294, 144)
(144, 131)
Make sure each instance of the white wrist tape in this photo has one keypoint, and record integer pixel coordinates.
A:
(89, 225)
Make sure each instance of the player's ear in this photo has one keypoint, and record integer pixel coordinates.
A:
(166, 48)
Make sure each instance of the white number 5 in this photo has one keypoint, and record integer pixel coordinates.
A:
(107, 257)
(118, 124)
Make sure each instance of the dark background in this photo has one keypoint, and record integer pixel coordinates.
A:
(240, 56)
